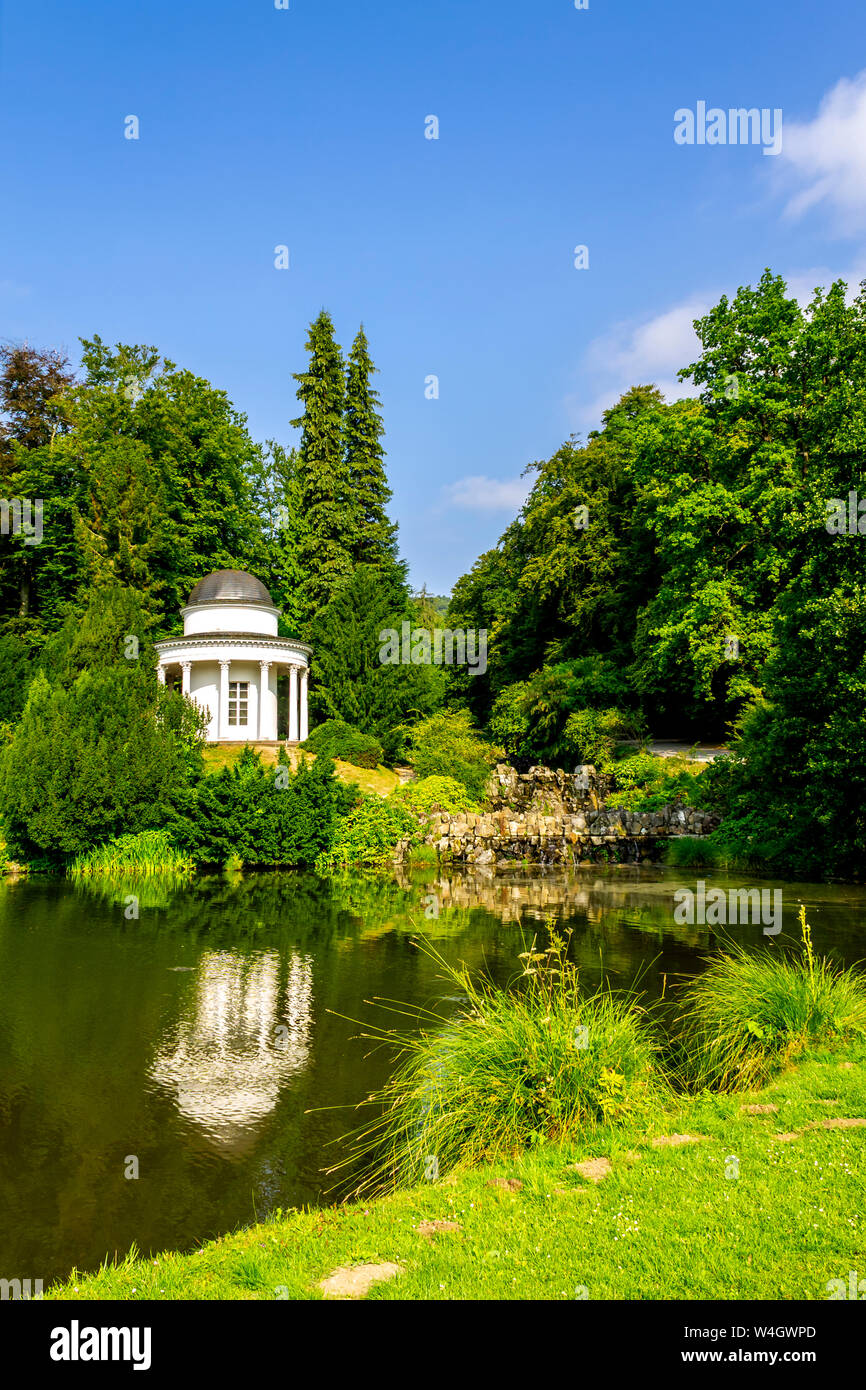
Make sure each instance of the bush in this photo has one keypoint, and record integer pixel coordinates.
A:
(692, 852)
(591, 735)
(336, 739)
(645, 783)
(448, 745)
(263, 815)
(148, 853)
(445, 792)
(369, 835)
(516, 1068)
(750, 1013)
(533, 718)
(101, 749)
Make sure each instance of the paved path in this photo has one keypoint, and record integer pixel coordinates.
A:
(672, 748)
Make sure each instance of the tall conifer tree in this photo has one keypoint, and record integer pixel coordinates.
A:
(375, 538)
(325, 490)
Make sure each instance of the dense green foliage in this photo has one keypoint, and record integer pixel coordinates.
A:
(689, 571)
(645, 783)
(336, 739)
(352, 683)
(444, 792)
(263, 815)
(101, 750)
(368, 835)
(447, 745)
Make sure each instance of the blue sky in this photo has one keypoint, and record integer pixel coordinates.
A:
(305, 127)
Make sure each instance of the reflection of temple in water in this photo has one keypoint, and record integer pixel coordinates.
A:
(244, 1035)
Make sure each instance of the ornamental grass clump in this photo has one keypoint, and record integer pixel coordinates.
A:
(532, 1063)
(752, 1012)
(150, 852)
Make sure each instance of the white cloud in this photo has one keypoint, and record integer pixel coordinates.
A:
(482, 494)
(828, 156)
(632, 354)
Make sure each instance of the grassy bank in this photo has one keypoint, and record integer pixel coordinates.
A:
(664, 1223)
(383, 780)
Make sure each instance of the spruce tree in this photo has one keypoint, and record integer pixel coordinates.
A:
(325, 491)
(375, 536)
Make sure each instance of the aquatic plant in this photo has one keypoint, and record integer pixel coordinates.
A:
(751, 1012)
(537, 1061)
(149, 853)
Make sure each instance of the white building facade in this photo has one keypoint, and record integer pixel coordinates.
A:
(231, 662)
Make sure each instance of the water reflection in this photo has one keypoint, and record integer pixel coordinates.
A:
(246, 1033)
(214, 1034)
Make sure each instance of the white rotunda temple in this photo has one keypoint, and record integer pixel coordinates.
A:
(231, 662)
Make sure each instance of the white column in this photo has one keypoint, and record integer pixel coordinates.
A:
(293, 704)
(160, 673)
(265, 722)
(305, 727)
(223, 719)
(186, 667)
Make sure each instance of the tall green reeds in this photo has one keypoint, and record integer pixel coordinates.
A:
(517, 1067)
(144, 855)
(751, 1012)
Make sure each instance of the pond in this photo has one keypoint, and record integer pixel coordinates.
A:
(209, 1043)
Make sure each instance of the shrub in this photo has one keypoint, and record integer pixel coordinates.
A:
(448, 745)
(750, 1013)
(369, 835)
(150, 852)
(263, 815)
(532, 718)
(645, 783)
(336, 739)
(591, 735)
(692, 852)
(445, 792)
(517, 1067)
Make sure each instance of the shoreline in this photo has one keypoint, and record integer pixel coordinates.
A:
(713, 1198)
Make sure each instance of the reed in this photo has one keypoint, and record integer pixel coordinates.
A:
(751, 1012)
(518, 1067)
(149, 853)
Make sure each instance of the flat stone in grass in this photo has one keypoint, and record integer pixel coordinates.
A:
(838, 1122)
(673, 1141)
(509, 1184)
(356, 1281)
(429, 1229)
(759, 1109)
(594, 1169)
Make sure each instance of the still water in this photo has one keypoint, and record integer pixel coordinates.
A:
(215, 1038)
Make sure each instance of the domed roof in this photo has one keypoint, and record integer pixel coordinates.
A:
(230, 585)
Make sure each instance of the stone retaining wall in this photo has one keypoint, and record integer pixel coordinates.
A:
(548, 816)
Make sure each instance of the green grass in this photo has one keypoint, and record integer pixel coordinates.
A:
(151, 852)
(516, 1067)
(665, 1224)
(381, 780)
(751, 1012)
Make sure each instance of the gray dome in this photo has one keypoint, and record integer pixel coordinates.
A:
(234, 585)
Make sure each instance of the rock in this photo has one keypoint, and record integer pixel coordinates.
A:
(356, 1281)
(429, 1229)
(594, 1169)
(673, 1141)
